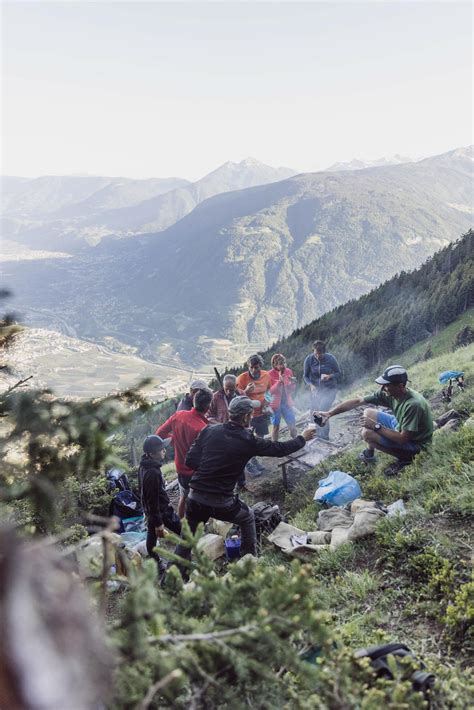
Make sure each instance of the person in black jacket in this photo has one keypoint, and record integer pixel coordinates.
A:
(218, 457)
(154, 498)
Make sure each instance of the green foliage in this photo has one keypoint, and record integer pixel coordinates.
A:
(52, 452)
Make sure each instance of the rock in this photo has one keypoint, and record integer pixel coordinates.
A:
(212, 546)
(452, 425)
(446, 417)
(219, 527)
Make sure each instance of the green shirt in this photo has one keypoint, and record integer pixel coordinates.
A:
(412, 413)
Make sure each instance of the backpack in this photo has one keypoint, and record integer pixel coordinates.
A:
(267, 517)
(124, 505)
(116, 478)
(422, 681)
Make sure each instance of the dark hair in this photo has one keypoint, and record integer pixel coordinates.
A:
(202, 400)
(254, 359)
(319, 345)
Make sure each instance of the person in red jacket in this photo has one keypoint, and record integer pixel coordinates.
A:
(282, 386)
(183, 427)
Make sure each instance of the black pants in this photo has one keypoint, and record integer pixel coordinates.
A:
(321, 401)
(236, 512)
(170, 521)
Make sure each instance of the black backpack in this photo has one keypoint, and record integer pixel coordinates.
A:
(267, 517)
(422, 681)
(125, 505)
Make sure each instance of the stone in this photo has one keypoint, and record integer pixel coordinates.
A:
(212, 546)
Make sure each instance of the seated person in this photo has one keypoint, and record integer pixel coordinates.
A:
(401, 434)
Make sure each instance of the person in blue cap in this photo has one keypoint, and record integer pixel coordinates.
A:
(155, 501)
(402, 433)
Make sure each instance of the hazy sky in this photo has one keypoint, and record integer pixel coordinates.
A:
(161, 89)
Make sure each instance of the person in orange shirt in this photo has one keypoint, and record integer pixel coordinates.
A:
(255, 383)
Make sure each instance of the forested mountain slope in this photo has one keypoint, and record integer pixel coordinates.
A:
(388, 320)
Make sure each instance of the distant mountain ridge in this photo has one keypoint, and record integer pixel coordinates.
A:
(71, 212)
(357, 164)
(255, 264)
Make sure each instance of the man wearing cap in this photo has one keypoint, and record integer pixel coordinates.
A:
(154, 498)
(402, 434)
(184, 426)
(186, 403)
(218, 457)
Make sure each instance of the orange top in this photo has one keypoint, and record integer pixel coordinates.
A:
(261, 386)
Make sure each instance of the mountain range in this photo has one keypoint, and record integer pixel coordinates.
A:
(67, 213)
(253, 264)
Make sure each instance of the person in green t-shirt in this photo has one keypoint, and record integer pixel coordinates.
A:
(402, 434)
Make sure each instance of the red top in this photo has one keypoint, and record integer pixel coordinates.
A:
(277, 387)
(183, 427)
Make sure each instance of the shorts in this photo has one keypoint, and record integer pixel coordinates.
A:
(288, 415)
(405, 451)
(183, 483)
(260, 425)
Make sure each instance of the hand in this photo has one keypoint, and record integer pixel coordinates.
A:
(160, 531)
(324, 415)
(367, 422)
(312, 388)
(250, 388)
(309, 434)
(280, 377)
(325, 377)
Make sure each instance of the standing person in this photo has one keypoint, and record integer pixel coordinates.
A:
(255, 383)
(219, 409)
(321, 372)
(402, 434)
(184, 426)
(283, 385)
(186, 403)
(154, 498)
(219, 456)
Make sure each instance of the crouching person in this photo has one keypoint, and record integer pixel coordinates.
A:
(218, 457)
(154, 498)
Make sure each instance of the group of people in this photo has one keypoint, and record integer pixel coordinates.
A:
(218, 436)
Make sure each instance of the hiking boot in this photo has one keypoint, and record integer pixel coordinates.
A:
(395, 468)
(367, 456)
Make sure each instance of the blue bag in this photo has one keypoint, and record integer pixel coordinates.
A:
(338, 488)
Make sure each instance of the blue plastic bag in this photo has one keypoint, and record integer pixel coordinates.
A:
(338, 488)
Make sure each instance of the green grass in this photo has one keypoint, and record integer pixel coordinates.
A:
(423, 375)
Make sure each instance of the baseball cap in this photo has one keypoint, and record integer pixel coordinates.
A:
(154, 443)
(393, 375)
(243, 405)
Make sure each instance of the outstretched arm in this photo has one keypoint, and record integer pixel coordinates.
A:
(343, 407)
